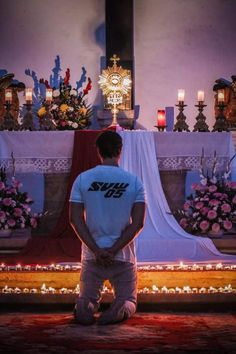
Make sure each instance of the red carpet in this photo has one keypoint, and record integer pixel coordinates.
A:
(210, 333)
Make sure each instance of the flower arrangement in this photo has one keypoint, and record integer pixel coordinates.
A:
(68, 107)
(211, 209)
(15, 212)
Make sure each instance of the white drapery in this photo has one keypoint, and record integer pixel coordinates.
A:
(162, 239)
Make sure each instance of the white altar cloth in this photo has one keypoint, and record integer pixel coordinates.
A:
(51, 152)
(162, 239)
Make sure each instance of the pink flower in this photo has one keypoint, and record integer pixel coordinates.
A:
(33, 222)
(218, 195)
(214, 202)
(7, 201)
(215, 227)
(11, 222)
(17, 212)
(204, 225)
(194, 186)
(227, 225)
(2, 215)
(15, 183)
(204, 210)
(2, 185)
(186, 206)
(226, 208)
(29, 200)
(212, 214)
(234, 199)
(232, 185)
(199, 205)
(212, 188)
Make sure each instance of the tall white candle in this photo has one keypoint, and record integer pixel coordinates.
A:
(221, 96)
(49, 95)
(181, 94)
(200, 96)
(28, 95)
(8, 95)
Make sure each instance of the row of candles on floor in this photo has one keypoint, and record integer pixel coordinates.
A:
(161, 116)
(154, 267)
(153, 290)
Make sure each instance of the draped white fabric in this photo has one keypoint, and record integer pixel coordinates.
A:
(162, 239)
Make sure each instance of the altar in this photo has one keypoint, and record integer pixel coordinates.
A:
(43, 161)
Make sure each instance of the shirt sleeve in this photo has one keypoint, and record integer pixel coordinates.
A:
(76, 195)
(140, 192)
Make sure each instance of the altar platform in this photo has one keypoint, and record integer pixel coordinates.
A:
(49, 161)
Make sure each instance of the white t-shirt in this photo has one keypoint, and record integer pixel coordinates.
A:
(108, 194)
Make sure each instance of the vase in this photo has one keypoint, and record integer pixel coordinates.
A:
(5, 233)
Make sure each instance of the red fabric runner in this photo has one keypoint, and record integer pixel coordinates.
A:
(62, 245)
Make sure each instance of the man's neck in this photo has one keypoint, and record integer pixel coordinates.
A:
(110, 161)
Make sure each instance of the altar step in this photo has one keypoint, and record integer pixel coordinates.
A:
(149, 278)
(146, 302)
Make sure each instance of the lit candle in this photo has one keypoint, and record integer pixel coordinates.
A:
(161, 118)
(200, 96)
(48, 95)
(28, 95)
(181, 94)
(221, 96)
(8, 95)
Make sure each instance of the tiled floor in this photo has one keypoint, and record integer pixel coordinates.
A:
(146, 332)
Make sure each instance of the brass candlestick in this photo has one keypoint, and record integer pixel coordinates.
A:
(161, 128)
(221, 123)
(180, 124)
(9, 122)
(201, 125)
(28, 122)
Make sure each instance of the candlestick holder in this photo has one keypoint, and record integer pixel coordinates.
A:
(9, 122)
(221, 123)
(201, 125)
(180, 124)
(46, 121)
(161, 128)
(28, 122)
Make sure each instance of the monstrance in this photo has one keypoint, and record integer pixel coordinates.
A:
(115, 82)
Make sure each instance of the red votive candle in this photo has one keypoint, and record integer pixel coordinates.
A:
(161, 118)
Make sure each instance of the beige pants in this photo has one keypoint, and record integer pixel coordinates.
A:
(123, 278)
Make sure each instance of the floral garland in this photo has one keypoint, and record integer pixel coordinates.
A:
(68, 108)
(212, 206)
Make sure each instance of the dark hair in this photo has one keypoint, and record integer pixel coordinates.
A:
(109, 144)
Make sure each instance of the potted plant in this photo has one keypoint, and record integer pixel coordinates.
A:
(15, 207)
(211, 209)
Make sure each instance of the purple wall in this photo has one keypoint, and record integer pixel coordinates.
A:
(33, 33)
(182, 44)
(178, 44)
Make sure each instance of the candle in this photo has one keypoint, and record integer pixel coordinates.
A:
(181, 94)
(221, 96)
(161, 118)
(49, 95)
(200, 96)
(28, 95)
(8, 95)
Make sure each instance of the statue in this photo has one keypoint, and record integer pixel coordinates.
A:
(229, 89)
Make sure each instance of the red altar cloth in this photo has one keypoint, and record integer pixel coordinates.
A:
(62, 245)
